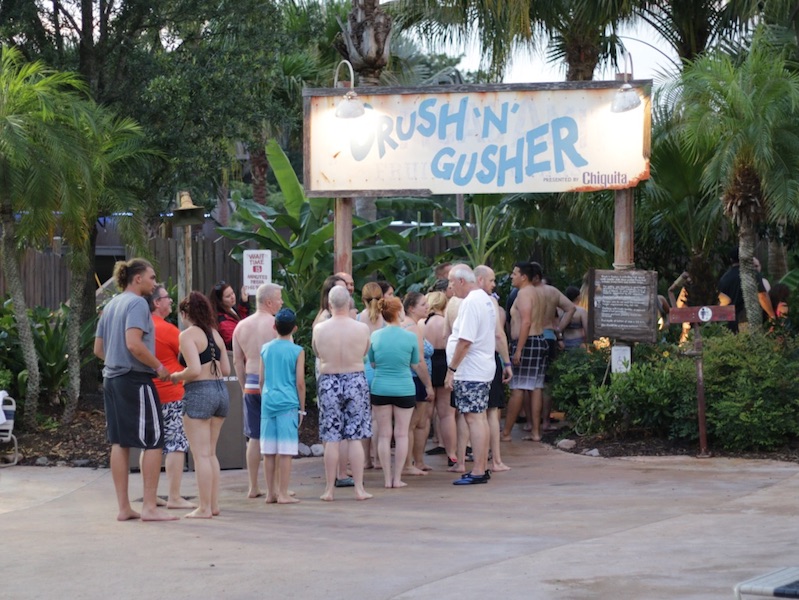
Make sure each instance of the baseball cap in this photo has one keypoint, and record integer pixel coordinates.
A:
(286, 315)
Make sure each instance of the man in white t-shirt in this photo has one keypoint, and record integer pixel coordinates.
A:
(471, 366)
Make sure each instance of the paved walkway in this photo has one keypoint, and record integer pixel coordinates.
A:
(558, 526)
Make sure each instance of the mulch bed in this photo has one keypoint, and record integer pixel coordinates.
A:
(83, 442)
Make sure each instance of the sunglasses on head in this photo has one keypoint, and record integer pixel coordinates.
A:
(220, 286)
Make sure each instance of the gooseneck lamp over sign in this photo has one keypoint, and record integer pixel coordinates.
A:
(626, 98)
(349, 107)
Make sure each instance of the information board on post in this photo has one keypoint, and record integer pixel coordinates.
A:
(257, 269)
(623, 305)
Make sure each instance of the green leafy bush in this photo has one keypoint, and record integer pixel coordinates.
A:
(751, 390)
(644, 399)
(573, 375)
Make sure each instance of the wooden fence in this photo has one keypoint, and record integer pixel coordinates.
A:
(46, 278)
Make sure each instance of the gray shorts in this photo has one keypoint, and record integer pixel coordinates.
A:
(205, 399)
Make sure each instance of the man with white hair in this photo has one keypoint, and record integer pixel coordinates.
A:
(471, 366)
(341, 343)
(248, 338)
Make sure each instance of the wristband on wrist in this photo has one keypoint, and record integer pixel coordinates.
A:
(303, 413)
(452, 369)
(507, 364)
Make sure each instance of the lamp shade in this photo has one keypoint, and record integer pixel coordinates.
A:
(350, 107)
(625, 99)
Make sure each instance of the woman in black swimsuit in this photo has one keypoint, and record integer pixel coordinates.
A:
(205, 401)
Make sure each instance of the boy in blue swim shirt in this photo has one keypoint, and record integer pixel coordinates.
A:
(282, 405)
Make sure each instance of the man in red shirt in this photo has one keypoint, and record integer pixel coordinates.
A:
(171, 395)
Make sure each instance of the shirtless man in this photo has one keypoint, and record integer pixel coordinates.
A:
(486, 279)
(248, 338)
(530, 314)
(341, 343)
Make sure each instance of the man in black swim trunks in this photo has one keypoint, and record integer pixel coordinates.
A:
(125, 341)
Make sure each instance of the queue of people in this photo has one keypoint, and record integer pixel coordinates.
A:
(385, 377)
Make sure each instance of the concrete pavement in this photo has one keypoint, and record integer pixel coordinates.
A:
(557, 526)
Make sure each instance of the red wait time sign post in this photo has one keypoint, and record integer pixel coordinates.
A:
(697, 315)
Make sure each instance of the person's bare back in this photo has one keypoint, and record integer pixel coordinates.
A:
(248, 338)
(553, 300)
(340, 343)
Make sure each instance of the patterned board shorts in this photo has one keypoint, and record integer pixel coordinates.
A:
(529, 374)
(471, 396)
(174, 434)
(344, 410)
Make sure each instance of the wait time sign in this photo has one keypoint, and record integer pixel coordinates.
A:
(257, 269)
(548, 137)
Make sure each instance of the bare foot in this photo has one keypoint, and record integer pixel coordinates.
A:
(425, 467)
(179, 502)
(549, 427)
(362, 495)
(286, 499)
(499, 466)
(413, 471)
(527, 428)
(128, 515)
(198, 514)
(159, 501)
(368, 465)
(399, 484)
(292, 493)
(157, 515)
(271, 499)
(457, 468)
(255, 494)
(216, 512)
(505, 438)
(327, 496)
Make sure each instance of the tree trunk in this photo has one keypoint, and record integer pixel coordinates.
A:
(259, 165)
(76, 298)
(746, 253)
(14, 285)
(223, 208)
(89, 375)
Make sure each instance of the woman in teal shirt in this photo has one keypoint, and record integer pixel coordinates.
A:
(392, 351)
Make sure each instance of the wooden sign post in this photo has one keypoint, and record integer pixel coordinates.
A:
(697, 315)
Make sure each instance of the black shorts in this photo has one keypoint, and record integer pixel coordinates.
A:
(398, 401)
(496, 395)
(421, 393)
(439, 363)
(133, 412)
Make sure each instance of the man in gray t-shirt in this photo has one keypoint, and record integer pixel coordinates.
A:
(125, 341)
(126, 311)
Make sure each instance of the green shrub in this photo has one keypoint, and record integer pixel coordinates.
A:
(574, 373)
(644, 399)
(751, 390)
(6, 377)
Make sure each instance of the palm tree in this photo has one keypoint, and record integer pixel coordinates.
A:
(40, 153)
(742, 113)
(113, 145)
